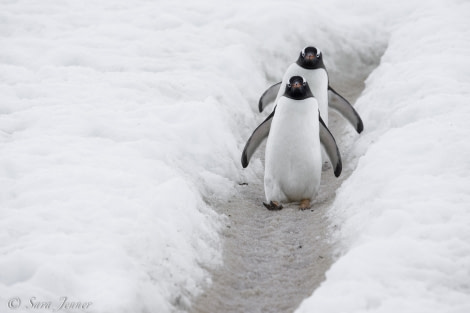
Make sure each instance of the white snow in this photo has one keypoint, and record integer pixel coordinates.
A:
(119, 118)
(405, 211)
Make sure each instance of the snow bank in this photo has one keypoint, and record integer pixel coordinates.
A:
(404, 213)
(96, 128)
(118, 120)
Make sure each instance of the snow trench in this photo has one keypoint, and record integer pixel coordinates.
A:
(121, 128)
(274, 260)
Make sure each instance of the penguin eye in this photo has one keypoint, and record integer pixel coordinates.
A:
(305, 83)
(289, 85)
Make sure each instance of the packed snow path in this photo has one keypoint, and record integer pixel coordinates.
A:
(275, 259)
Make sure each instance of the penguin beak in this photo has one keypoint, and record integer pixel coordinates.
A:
(296, 85)
(310, 56)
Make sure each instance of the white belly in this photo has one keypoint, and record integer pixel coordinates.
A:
(318, 82)
(293, 154)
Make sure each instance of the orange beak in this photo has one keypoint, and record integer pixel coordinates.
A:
(296, 85)
(310, 56)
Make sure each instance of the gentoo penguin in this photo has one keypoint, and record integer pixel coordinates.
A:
(310, 66)
(293, 162)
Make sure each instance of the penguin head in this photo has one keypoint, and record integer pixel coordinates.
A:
(297, 88)
(310, 58)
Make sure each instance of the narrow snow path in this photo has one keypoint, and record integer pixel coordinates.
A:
(274, 260)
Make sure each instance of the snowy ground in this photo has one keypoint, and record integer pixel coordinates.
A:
(405, 211)
(119, 120)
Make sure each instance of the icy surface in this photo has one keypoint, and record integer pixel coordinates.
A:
(119, 119)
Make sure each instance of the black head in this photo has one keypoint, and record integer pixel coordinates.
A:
(311, 58)
(297, 88)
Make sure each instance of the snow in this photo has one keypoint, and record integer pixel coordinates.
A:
(404, 212)
(120, 119)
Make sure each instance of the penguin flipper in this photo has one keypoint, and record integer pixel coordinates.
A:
(329, 143)
(260, 133)
(268, 96)
(340, 104)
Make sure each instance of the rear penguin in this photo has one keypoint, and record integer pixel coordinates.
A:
(310, 65)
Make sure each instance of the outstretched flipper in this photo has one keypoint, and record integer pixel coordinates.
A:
(340, 104)
(329, 143)
(260, 133)
(268, 96)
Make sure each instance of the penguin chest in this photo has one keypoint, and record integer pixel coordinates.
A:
(318, 81)
(293, 153)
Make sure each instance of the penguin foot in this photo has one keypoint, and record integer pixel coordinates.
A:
(273, 206)
(305, 204)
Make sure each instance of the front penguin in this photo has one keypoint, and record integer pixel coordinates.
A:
(293, 161)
